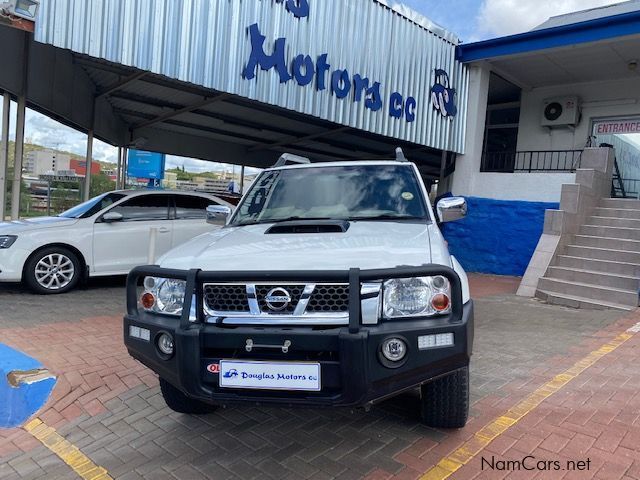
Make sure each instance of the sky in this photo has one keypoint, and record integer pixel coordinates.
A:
(471, 20)
(474, 20)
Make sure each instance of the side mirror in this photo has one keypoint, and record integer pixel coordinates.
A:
(452, 209)
(218, 214)
(112, 217)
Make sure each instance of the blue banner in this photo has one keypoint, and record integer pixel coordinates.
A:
(142, 164)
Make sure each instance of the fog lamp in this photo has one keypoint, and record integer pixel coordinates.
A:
(165, 344)
(394, 349)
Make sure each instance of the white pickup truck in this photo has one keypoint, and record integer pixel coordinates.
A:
(330, 285)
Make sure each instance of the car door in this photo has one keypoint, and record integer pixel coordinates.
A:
(119, 246)
(190, 217)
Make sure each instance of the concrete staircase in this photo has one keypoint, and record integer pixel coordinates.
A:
(600, 267)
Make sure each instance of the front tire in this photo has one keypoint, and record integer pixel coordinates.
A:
(53, 270)
(445, 401)
(179, 402)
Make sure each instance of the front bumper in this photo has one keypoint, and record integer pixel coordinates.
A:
(12, 262)
(352, 371)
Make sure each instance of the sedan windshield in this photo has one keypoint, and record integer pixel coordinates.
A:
(358, 192)
(93, 206)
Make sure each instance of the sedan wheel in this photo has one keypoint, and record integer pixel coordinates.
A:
(52, 270)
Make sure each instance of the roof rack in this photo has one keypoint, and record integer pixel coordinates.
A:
(400, 155)
(288, 158)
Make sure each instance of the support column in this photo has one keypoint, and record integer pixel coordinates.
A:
(89, 162)
(4, 154)
(242, 180)
(119, 170)
(19, 153)
(465, 179)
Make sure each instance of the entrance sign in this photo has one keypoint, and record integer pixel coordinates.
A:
(616, 127)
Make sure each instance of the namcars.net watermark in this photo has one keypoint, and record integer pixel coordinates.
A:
(532, 463)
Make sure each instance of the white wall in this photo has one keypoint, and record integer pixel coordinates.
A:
(601, 99)
(530, 187)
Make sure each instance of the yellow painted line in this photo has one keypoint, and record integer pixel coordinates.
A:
(469, 449)
(67, 452)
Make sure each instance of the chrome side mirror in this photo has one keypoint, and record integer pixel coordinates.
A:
(218, 214)
(112, 217)
(452, 209)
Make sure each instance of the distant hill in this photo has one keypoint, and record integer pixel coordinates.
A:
(31, 147)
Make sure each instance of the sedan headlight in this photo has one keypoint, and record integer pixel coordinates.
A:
(7, 240)
(414, 297)
(163, 295)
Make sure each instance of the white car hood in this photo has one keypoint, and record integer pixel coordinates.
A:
(17, 226)
(365, 245)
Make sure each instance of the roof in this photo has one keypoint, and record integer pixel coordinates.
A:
(421, 20)
(565, 35)
(590, 14)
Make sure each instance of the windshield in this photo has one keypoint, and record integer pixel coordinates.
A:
(358, 192)
(93, 206)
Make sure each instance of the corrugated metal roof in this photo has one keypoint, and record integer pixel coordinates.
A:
(206, 43)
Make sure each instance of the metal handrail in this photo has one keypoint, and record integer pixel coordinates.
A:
(531, 161)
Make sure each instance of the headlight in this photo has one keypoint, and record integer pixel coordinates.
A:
(7, 240)
(163, 295)
(413, 297)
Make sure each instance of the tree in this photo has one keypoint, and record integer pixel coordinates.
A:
(101, 184)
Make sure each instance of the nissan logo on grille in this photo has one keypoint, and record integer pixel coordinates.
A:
(277, 299)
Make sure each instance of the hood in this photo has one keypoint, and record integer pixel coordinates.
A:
(16, 226)
(365, 245)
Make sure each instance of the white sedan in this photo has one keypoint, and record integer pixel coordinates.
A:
(108, 235)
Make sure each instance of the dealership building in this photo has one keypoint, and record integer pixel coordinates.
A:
(503, 122)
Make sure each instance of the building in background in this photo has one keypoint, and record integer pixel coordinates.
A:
(170, 180)
(41, 162)
(80, 167)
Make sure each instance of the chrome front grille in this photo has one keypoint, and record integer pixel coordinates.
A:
(266, 301)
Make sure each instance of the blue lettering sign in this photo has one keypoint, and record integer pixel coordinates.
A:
(322, 67)
(443, 97)
(260, 58)
(299, 8)
(340, 83)
(299, 63)
(303, 70)
(395, 105)
(374, 99)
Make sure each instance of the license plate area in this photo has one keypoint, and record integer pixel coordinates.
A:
(257, 375)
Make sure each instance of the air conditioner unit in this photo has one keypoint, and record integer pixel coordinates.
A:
(561, 111)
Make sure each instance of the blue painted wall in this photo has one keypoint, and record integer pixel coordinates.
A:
(498, 236)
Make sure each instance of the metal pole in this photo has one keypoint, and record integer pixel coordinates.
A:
(17, 164)
(125, 166)
(119, 170)
(89, 161)
(48, 198)
(4, 154)
(242, 180)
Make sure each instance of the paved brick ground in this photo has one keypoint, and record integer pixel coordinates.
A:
(109, 405)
